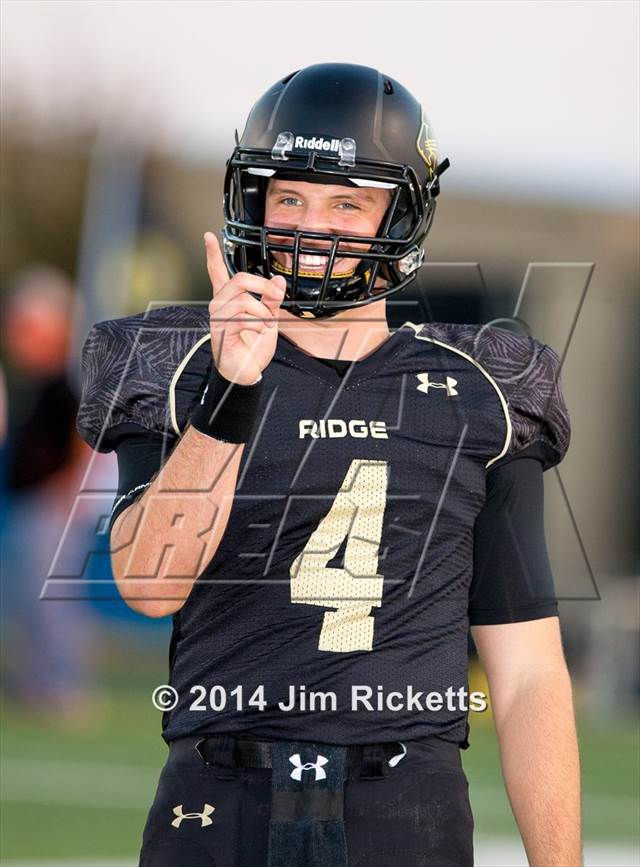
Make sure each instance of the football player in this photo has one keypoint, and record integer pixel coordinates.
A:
(325, 508)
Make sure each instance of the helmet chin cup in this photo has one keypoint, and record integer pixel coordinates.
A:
(304, 297)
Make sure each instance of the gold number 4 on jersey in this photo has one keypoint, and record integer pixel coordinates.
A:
(356, 514)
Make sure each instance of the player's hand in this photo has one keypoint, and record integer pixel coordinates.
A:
(244, 330)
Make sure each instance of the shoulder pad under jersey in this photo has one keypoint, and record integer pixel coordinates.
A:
(128, 366)
(527, 373)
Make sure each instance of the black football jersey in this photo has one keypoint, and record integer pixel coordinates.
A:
(336, 607)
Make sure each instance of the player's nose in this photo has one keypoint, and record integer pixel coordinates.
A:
(314, 219)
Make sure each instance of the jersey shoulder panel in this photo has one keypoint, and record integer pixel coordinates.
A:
(527, 374)
(128, 366)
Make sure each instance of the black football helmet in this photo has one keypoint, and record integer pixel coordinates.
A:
(334, 123)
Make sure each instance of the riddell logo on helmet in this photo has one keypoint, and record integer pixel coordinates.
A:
(317, 143)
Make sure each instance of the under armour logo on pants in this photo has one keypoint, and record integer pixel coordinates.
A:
(203, 816)
(296, 773)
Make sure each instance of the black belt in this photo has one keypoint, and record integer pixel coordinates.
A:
(257, 753)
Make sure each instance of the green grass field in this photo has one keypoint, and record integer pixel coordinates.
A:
(83, 797)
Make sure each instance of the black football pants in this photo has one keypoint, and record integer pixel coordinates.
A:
(418, 815)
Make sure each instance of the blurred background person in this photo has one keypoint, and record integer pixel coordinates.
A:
(46, 643)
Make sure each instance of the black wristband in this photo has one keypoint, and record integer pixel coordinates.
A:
(227, 411)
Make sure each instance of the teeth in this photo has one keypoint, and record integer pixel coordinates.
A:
(313, 260)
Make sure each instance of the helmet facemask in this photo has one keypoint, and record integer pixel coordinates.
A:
(393, 256)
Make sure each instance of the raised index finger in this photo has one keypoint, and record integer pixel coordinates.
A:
(216, 267)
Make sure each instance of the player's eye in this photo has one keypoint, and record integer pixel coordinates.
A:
(289, 200)
(349, 206)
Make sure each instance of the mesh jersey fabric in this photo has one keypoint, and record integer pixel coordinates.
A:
(409, 501)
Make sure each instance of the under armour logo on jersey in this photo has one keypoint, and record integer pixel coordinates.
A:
(425, 384)
(203, 816)
(296, 773)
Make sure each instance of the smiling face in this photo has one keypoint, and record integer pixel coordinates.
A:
(330, 208)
